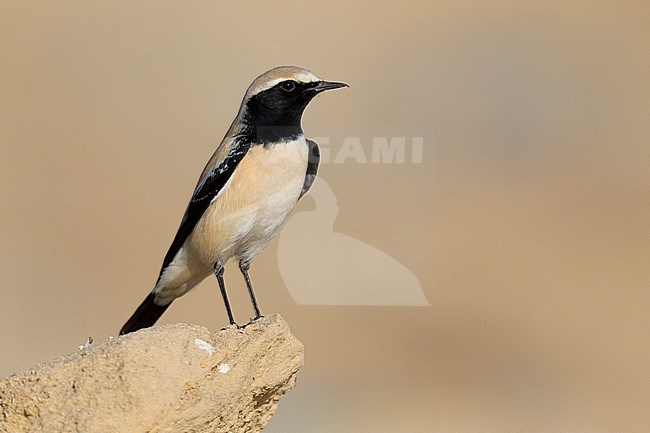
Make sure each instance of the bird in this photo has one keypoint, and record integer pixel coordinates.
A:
(257, 174)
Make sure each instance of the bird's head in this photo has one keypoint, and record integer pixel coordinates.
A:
(277, 98)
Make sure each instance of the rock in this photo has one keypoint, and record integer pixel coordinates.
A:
(170, 378)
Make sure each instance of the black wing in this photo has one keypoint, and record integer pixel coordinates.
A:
(312, 166)
(206, 190)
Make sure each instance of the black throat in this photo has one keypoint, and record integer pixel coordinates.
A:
(274, 115)
(267, 135)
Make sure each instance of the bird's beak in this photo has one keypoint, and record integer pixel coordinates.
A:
(328, 85)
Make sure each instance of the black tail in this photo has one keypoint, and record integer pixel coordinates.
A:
(145, 316)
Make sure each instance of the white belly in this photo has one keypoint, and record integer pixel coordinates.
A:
(243, 219)
(254, 204)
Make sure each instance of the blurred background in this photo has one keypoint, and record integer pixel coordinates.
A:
(526, 223)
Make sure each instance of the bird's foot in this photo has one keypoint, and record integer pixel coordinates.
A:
(235, 325)
(253, 320)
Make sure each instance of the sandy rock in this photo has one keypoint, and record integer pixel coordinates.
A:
(170, 378)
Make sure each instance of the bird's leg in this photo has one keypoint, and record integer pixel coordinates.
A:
(218, 271)
(244, 266)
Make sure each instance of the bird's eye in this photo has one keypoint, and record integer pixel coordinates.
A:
(288, 86)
